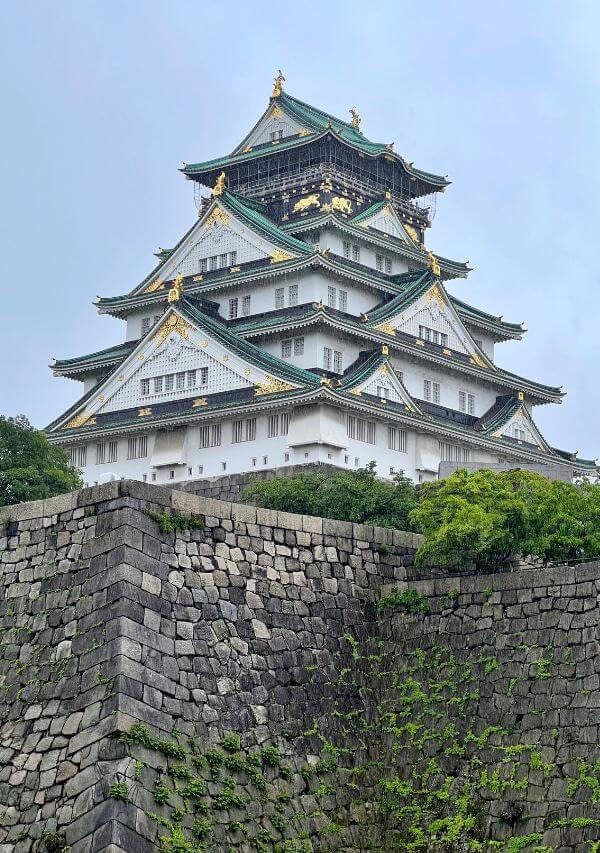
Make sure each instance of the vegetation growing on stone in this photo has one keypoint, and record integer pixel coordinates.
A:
(170, 522)
(408, 600)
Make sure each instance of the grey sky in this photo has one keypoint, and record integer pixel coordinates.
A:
(102, 101)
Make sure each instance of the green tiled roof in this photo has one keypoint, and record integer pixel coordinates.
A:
(251, 213)
(88, 361)
(413, 285)
(469, 311)
(363, 370)
(369, 211)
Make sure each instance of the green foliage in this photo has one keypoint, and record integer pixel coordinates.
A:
(162, 792)
(54, 842)
(231, 743)
(30, 467)
(271, 756)
(120, 791)
(409, 600)
(478, 520)
(346, 495)
(589, 777)
(169, 522)
(139, 734)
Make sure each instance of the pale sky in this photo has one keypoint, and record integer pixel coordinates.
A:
(102, 101)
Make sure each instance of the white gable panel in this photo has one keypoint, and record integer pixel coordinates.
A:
(389, 225)
(172, 357)
(520, 427)
(273, 123)
(382, 380)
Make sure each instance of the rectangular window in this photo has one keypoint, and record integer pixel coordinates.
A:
(346, 248)
(453, 452)
(131, 448)
(223, 260)
(433, 336)
(379, 262)
(81, 456)
(331, 296)
(233, 308)
(145, 387)
(355, 252)
(397, 439)
(245, 306)
(101, 453)
(388, 266)
(203, 375)
(273, 426)
(298, 346)
(431, 391)
(213, 263)
(436, 391)
(158, 384)
(383, 393)
(232, 259)
(327, 358)
(343, 300)
(337, 361)
(286, 349)
(279, 297)
(142, 446)
(112, 451)
(180, 380)
(169, 382)
(361, 430)
(146, 323)
(427, 389)
(293, 295)
(203, 264)
(244, 430)
(519, 433)
(466, 402)
(276, 135)
(210, 436)
(191, 378)
(471, 404)
(284, 423)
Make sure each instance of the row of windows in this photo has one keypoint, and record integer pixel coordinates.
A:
(174, 381)
(292, 344)
(107, 451)
(454, 452)
(466, 402)
(433, 336)
(360, 429)
(337, 298)
(328, 362)
(216, 262)
(383, 263)
(432, 393)
(234, 306)
(351, 250)
(292, 296)
(276, 135)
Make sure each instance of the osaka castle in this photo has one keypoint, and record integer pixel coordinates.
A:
(303, 318)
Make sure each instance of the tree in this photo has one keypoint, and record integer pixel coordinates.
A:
(476, 521)
(30, 467)
(357, 496)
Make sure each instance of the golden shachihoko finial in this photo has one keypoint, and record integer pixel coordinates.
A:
(220, 184)
(278, 85)
(176, 291)
(434, 265)
(355, 118)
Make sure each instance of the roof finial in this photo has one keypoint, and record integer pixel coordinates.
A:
(220, 184)
(355, 118)
(434, 265)
(176, 291)
(278, 85)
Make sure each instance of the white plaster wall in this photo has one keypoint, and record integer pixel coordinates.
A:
(314, 343)
(133, 331)
(333, 240)
(450, 384)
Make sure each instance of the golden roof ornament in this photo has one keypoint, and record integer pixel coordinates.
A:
(434, 265)
(355, 118)
(176, 291)
(278, 85)
(220, 184)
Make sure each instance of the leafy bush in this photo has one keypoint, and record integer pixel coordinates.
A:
(30, 467)
(357, 496)
(408, 600)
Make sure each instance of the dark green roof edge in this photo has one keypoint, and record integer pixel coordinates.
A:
(110, 353)
(363, 370)
(252, 215)
(478, 314)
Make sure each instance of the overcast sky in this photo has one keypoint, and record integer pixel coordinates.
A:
(102, 101)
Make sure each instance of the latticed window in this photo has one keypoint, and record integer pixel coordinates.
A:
(146, 323)
(191, 378)
(112, 451)
(272, 426)
(355, 252)
(337, 361)
(101, 453)
(79, 456)
(203, 375)
(383, 393)
(466, 402)
(431, 391)
(244, 430)
(210, 436)
(279, 297)
(454, 452)
(361, 430)
(246, 305)
(298, 346)
(284, 423)
(433, 336)
(343, 300)
(379, 262)
(519, 433)
(137, 447)
(327, 358)
(158, 384)
(213, 262)
(286, 349)
(347, 248)
(276, 135)
(233, 308)
(331, 296)
(388, 266)
(203, 265)
(232, 258)
(293, 294)
(223, 260)
(397, 439)
(169, 382)
(180, 380)
(145, 387)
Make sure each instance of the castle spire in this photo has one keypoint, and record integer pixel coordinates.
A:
(278, 85)
(355, 118)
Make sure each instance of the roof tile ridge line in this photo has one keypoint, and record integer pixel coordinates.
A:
(78, 358)
(322, 113)
(241, 343)
(287, 239)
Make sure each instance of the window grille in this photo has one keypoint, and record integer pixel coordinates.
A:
(433, 336)
(112, 451)
(191, 378)
(383, 393)
(101, 453)
(519, 433)
(233, 308)
(331, 294)
(180, 380)
(81, 456)
(361, 430)
(388, 266)
(284, 423)
(337, 361)
(137, 448)
(346, 248)
(466, 402)
(431, 391)
(213, 263)
(293, 295)
(298, 346)
(158, 384)
(286, 349)
(203, 266)
(210, 435)
(246, 306)
(203, 375)
(232, 259)
(454, 452)
(379, 262)
(169, 382)
(145, 387)
(343, 300)
(244, 430)
(223, 260)
(397, 439)
(279, 297)
(146, 322)
(327, 358)
(273, 426)
(355, 252)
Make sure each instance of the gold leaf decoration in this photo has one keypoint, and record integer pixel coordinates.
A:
(305, 203)
(217, 214)
(279, 255)
(435, 294)
(271, 385)
(143, 413)
(412, 232)
(157, 284)
(199, 402)
(175, 323)
(386, 328)
(341, 204)
(80, 420)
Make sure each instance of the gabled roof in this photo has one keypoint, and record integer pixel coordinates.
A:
(367, 367)
(499, 416)
(318, 124)
(93, 361)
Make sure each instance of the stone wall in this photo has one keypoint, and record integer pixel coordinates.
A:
(180, 673)
(230, 487)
